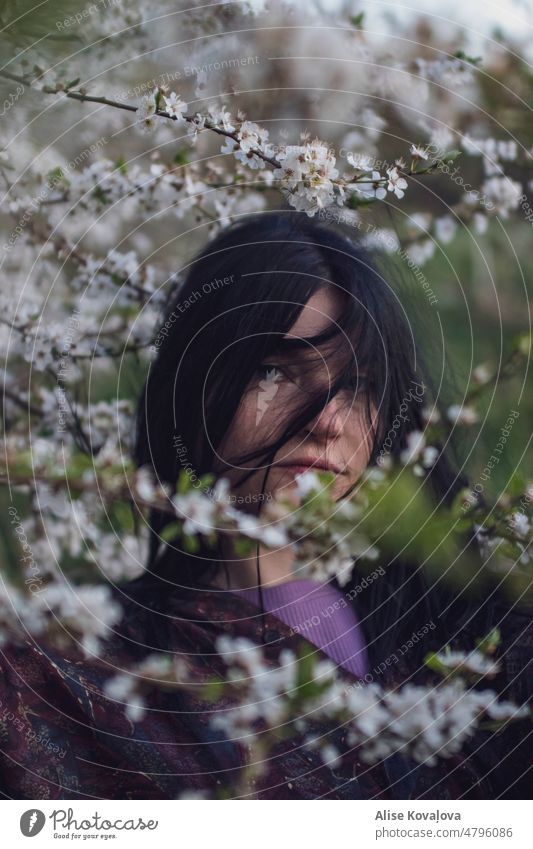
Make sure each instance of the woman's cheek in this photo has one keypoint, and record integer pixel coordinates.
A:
(250, 418)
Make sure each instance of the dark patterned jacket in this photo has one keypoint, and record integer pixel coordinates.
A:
(62, 738)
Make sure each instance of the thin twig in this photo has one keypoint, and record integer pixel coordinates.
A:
(104, 101)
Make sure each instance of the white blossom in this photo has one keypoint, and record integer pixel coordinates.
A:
(85, 611)
(429, 456)
(229, 145)
(373, 189)
(504, 193)
(480, 222)
(504, 711)
(520, 524)
(383, 238)
(144, 484)
(250, 135)
(255, 529)
(420, 252)
(307, 482)
(442, 138)
(473, 661)
(330, 755)
(307, 172)
(481, 374)
(176, 107)
(416, 442)
(459, 414)
(194, 125)
(220, 117)
(148, 106)
(420, 221)
(122, 688)
(396, 183)
(430, 415)
(360, 161)
(452, 73)
(507, 149)
(146, 113)
(198, 511)
(445, 229)
(418, 152)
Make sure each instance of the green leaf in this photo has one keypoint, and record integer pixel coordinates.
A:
(432, 662)
(305, 686)
(523, 343)
(122, 512)
(450, 156)
(516, 485)
(55, 175)
(100, 195)
(357, 20)
(243, 546)
(214, 690)
(509, 549)
(191, 543)
(171, 531)
(78, 464)
(472, 60)
(206, 481)
(181, 157)
(121, 165)
(490, 642)
(183, 483)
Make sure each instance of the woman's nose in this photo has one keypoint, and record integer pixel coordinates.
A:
(329, 420)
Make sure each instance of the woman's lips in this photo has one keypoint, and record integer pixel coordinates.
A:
(300, 468)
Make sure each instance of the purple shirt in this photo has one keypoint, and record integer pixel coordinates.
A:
(321, 614)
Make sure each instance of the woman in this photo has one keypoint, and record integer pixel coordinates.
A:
(284, 350)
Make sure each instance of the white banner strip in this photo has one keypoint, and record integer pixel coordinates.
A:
(256, 825)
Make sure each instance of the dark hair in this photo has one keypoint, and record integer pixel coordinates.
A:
(240, 295)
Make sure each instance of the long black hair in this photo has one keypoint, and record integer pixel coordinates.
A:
(237, 300)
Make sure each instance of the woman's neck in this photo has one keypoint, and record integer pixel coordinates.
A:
(275, 567)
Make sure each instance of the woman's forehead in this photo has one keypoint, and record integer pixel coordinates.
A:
(322, 309)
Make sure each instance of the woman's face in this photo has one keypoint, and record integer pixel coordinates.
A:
(338, 438)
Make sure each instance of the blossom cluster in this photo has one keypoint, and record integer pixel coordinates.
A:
(424, 722)
(63, 613)
(258, 701)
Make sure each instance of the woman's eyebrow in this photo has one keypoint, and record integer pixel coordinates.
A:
(288, 345)
(286, 350)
